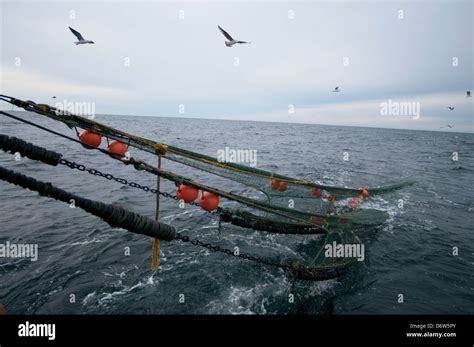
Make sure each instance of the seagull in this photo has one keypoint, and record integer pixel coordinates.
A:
(54, 97)
(81, 40)
(468, 94)
(448, 125)
(231, 41)
(336, 90)
(450, 108)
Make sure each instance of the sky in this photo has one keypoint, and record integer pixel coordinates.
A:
(157, 58)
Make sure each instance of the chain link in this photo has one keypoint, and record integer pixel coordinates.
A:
(110, 177)
(213, 248)
(227, 251)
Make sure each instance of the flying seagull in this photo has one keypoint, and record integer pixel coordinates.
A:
(450, 108)
(468, 94)
(54, 97)
(80, 39)
(336, 90)
(230, 41)
(448, 125)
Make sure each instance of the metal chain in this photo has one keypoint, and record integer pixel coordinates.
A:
(227, 251)
(213, 248)
(110, 177)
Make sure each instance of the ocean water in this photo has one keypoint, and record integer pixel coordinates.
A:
(411, 254)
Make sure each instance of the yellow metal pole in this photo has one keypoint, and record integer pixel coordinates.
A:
(156, 242)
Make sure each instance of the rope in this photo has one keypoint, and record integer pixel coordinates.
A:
(156, 242)
(115, 215)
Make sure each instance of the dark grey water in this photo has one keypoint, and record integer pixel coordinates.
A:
(79, 254)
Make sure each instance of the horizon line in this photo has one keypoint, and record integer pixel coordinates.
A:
(266, 121)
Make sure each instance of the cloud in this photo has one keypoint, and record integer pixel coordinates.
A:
(177, 61)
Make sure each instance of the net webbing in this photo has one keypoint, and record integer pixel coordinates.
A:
(311, 211)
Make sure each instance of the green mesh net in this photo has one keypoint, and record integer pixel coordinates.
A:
(288, 205)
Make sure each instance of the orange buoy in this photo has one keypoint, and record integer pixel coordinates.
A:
(186, 193)
(118, 149)
(89, 140)
(274, 184)
(315, 192)
(363, 191)
(209, 201)
(282, 186)
(353, 203)
(329, 197)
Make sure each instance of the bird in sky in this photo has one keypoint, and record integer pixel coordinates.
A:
(336, 90)
(448, 126)
(54, 97)
(450, 108)
(79, 37)
(468, 94)
(230, 41)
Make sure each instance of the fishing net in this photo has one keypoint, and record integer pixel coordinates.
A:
(288, 205)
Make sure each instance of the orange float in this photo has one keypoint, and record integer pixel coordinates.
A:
(117, 149)
(209, 201)
(353, 203)
(363, 192)
(274, 184)
(282, 186)
(89, 140)
(277, 185)
(186, 193)
(315, 192)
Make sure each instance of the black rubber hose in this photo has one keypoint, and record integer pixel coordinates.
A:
(115, 215)
(250, 221)
(13, 145)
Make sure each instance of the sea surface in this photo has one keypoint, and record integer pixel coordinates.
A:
(83, 266)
